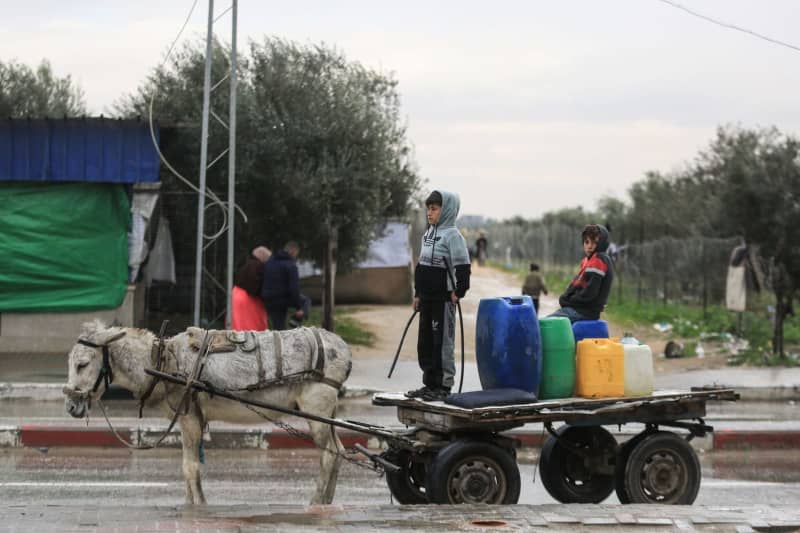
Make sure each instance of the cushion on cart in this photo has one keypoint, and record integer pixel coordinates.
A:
(486, 398)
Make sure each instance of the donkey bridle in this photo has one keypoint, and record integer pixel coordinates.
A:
(106, 374)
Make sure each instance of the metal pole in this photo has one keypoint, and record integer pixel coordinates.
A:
(201, 199)
(231, 165)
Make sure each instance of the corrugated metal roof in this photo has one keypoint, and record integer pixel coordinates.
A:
(77, 149)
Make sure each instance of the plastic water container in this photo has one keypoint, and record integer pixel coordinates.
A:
(590, 329)
(599, 369)
(638, 369)
(558, 358)
(507, 344)
(627, 338)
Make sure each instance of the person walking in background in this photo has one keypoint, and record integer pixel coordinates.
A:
(443, 262)
(481, 248)
(280, 288)
(247, 309)
(534, 285)
(587, 294)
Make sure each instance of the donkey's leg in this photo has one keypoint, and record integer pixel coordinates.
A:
(191, 435)
(320, 399)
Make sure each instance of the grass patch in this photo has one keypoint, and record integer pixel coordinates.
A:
(347, 327)
(716, 324)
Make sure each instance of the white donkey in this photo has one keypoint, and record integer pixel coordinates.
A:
(299, 369)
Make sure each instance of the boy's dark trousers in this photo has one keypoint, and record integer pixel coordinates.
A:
(436, 342)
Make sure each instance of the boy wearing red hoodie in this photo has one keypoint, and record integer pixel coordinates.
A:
(587, 294)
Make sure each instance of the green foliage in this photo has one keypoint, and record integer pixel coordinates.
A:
(757, 174)
(39, 93)
(717, 324)
(332, 129)
(320, 141)
(574, 217)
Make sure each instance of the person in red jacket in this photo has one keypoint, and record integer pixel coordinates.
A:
(587, 293)
(247, 309)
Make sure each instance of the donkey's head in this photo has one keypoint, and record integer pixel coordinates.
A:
(89, 365)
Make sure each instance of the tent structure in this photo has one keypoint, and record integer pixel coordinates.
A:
(66, 196)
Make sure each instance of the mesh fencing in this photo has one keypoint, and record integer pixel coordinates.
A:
(692, 270)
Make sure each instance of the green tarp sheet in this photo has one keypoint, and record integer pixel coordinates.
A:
(63, 246)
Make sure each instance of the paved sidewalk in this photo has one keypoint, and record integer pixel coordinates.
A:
(440, 518)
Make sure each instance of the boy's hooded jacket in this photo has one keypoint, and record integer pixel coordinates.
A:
(443, 246)
(588, 292)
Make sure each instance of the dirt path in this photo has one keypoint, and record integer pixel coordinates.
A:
(388, 321)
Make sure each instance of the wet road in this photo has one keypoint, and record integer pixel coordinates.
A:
(80, 477)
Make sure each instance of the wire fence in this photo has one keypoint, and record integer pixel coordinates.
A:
(690, 270)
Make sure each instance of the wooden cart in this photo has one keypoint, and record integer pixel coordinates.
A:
(451, 454)
(456, 455)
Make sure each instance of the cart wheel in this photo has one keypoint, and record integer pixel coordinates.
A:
(472, 471)
(662, 468)
(619, 469)
(407, 485)
(570, 478)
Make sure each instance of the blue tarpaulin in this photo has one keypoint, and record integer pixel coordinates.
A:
(77, 149)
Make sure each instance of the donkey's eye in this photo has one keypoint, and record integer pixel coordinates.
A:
(81, 366)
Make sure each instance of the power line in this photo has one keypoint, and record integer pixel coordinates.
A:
(729, 26)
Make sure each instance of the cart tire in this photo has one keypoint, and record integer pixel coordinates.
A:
(662, 468)
(473, 471)
(407, 485)
(619, 469)
(566, 476)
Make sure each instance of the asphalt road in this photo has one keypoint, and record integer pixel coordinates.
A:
(90, 477)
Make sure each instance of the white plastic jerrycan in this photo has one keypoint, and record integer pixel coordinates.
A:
(638, 370)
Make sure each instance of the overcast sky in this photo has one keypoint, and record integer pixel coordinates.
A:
(522, 107)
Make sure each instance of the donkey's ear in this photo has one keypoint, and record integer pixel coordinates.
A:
(108, 336)
(90, 329)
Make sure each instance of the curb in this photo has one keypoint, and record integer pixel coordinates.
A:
(47, 436)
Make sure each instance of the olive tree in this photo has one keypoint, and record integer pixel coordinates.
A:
(756, 176)
(27, 92)
(322, 156)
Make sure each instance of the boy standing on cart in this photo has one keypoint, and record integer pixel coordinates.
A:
(441, 278)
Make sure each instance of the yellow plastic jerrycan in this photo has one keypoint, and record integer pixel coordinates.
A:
(599, 368)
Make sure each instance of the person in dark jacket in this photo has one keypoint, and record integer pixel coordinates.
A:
(481, 248)
(280, 287)
(435, 297)
(247, 308)
(587, 294)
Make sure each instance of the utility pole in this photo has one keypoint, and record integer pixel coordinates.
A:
(201, 198)
(204, 165)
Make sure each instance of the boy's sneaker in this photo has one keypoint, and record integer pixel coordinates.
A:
(418, 393)
(436, 395)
